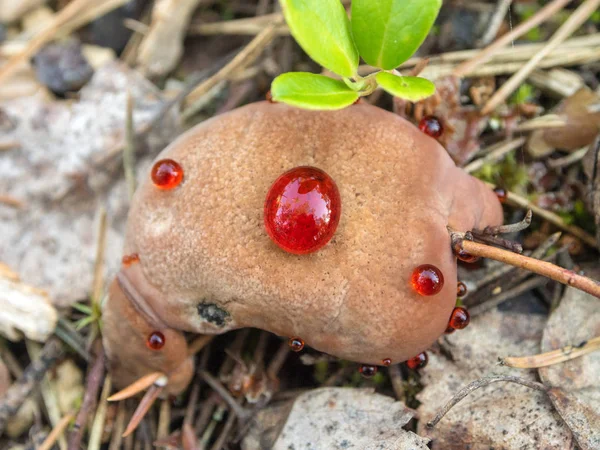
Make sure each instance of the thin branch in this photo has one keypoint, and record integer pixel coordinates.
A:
(143, 407)
(528, 285)
(553, 357)
(139, 385)
(56, 432)
(129, 148)
(502, 7)
(199, 343)
(510, 228)
(486, 54)
(97, 430)
(549, 270)
(578, 17)
(499, 151)
(479, 384)
(239, 411)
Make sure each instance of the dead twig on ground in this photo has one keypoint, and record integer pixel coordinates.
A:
(553, 357)
(479, 384)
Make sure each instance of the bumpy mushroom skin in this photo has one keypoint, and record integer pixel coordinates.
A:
(207, 264)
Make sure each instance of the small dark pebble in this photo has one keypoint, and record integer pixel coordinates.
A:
(110, 30)
(62, 67)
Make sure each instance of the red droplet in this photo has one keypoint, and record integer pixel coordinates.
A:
(450, 330)
(130, 259)
(269, 97)
(501, 194)
(387, 362)
(302, 210)
(463, 255)
(431, 126)
(167, 174)
(459, 318)
(367, 370)
(418, 362)
(427, 279)
(461, 289)
(296, 344)
(156, 341)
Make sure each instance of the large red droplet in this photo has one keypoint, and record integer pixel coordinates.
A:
(167, 174)
(427, 279)
(431, 126)
(459, 318)
(302, 210)
(156, 341)
(418, 362)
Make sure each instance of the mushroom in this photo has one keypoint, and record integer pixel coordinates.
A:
(199, 258)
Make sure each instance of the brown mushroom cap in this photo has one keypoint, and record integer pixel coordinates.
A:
(207, 264)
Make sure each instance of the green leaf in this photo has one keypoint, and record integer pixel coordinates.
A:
(322, 29)
(388, 32)
(408, 88)
(82, 308)
(312, 91)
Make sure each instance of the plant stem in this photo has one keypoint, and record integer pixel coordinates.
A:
(553, 357)
(549, 270)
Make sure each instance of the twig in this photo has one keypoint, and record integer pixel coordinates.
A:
(98, 281)
(9, 145)
(139, 385)
(482, 382)
(528, 285)
(65, 15)
(553, 357)
(199, 343)
(496, 154)
(69, 335)
(242, 59)
(220, 442)
(9, 200)
(579, 16)
(143, 407)
(20, 389)
(248, 26)
(119, 426)
(164, 419)
(502, 8)
(555, 219)
(549, 270)
(397, 382)
(486, 54)
(278, 360)
(543, 122)
(239, 411)
(56, 432)
(100, 418)
(129, 148)
(94, 380)
(572, 158)
(510, 228)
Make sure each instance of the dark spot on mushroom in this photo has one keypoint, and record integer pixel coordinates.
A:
(213, 314)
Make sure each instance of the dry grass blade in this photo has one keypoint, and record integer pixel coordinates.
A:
(547, 269)
(574, 21)
(100, 418)
(65, 15)
(144, 406)
(99, 260)
(56, 432)
(129, 148)
(498, 152)
(553, 357)
(487, 53)
(138, 386)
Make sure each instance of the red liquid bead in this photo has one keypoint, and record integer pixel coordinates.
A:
(461, 289)
(427, 280)
(367, 371)
(501, 194)
(462, 255)
(459, 318)
(166, 174)
(130, 259)
(302, 210)
(387, 362)
(296, 344)
(269, 97)
(431, 126)
(156, 341)
(418, 362)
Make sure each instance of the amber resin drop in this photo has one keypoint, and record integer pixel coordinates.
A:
(387, 362)
(269, 97)
(431, 126)
(167, 174)
(130, 259)
(463, 255)
(418, 362)
(156, 341)
(302, 210)
(427, 280)
(461, 289)
(459, 318)
(450, 330)
(367, 370)
(501, 194)
(296, 344)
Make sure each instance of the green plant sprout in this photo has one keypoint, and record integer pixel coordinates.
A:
(385, 33)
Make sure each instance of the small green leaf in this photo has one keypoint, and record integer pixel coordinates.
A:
(408, 88)
(322, 29)
(82, 308)
(388, 32)
(312, 91)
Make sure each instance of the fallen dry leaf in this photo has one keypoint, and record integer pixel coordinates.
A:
(576, 383)
(335, 418)
(51, 240)
(502, 415)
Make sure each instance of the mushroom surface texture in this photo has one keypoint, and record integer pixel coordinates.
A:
(204, 262)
